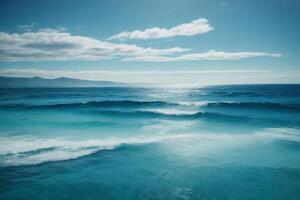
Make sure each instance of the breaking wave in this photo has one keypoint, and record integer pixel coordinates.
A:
(30, 150)
(25, 150)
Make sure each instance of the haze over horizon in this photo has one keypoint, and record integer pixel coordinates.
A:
(182, 42)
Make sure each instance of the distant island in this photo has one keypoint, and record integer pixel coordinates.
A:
(33, 82)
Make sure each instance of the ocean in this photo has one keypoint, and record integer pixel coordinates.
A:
(214, 142)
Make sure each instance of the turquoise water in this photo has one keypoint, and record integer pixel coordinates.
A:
(221, 142)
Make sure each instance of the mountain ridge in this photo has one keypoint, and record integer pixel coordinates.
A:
(36, 81)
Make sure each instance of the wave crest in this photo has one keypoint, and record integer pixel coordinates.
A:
(30, 150)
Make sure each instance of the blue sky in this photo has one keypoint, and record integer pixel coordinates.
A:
(176, 41)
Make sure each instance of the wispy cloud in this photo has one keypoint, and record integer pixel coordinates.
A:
(210, 55)
(59, 45)
(27, 27)
(56, 44)
(195, 27)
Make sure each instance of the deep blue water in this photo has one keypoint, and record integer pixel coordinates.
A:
(220, 142)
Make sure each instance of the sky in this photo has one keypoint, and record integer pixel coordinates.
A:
(157, 41)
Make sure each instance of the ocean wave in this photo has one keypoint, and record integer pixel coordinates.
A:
(194, 103)
(159, 113)
(162, 107)
(164, 126)
(255, 105)
(172, 111)
(174, 114)
(92, 104)
(27, 150)
(230, 94)
(282, 133)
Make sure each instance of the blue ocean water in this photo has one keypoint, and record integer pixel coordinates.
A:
(217, 142)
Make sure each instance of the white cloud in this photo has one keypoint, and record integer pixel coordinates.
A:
(27, 27)
(59, 45)
(56, 44)
(195, 27)
(210, 55)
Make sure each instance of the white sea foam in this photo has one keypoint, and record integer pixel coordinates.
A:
(26, 150)
(194, 103)
(54, 155)
(172, 111)
(205, 145)
(29, 150)
(280, 133)
(200, 103)
(164, 126)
